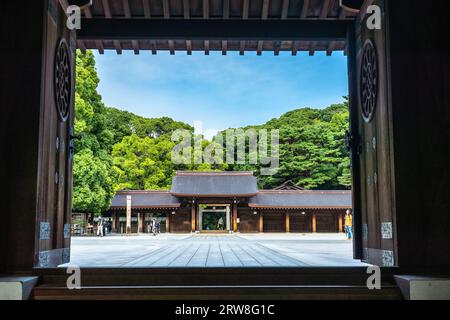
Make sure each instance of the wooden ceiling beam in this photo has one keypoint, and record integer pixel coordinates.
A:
(171, 47)
(305, 8)
(81, 46)
(126, 9)
(245, 6)
(189, 47)
(226, 9)
(242, 47)
(118, 46)
(325, 9)
(330, 48)
(218, 29)
(186, 9)
(224, 47)
(146, 6)
(166, 9)
(107, 9)
(265, 10)
(205, 9)
(284, 9)
(98, 43)
(259, 47)
(206, 46)
(187, 16)
(153, 47)
(294, 48)
(87, 12)
(127, 13)
(135, 45)
(312, 50)
(276, 48)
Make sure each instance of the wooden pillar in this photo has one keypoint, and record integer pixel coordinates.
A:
(114, 222)
(261, 222)
(128, 225)
(235, 215)
(193, 219)
(313, 222)
(340, 222)
(168, 222)
(287, 225)
(140, 224)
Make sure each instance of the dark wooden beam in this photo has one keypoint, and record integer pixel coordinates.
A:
(325, 8)
(205, 9)
(284, 9)
(166, 9)
(224, 47)
(265, 10)
(135, 45)
(146, 6)
(305, 8)
(99, 43)
(153, 47)
(245, 6)
(226, 9)
(189, 47)
(81, 46)
(145, 29)
(259, 47)
(186, 9)
(206, 45)
(171, 47)
(294, 48)
(107, 9)
(242, 47)
(118, 46)
(126, 8)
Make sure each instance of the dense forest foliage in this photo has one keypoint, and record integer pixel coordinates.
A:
(116, 149)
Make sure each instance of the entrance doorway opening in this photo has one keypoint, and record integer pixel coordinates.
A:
(214, 218)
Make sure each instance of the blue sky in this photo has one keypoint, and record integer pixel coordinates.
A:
(220, 91)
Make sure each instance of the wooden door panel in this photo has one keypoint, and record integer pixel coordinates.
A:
(274, 222)
(248, 222)
(56, 130)
(299, 223)
(326, 222)
(374, 129)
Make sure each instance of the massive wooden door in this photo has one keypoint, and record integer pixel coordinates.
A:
(56, 145)
(377, 224)
(273, 222)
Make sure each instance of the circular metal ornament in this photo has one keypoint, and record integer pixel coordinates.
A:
(62, 80)
(369, 81)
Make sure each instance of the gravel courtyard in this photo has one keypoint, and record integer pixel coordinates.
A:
(209, 250)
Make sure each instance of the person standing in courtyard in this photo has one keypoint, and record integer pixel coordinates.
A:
(100, 227)
(348, 222)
